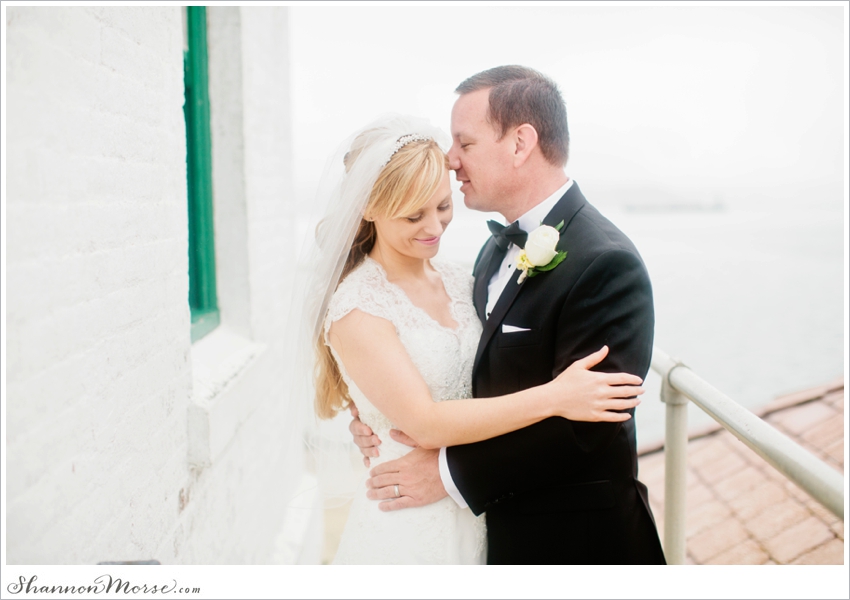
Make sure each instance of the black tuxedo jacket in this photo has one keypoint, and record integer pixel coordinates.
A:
(561, 491)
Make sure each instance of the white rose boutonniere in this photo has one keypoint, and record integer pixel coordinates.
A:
(540, 253)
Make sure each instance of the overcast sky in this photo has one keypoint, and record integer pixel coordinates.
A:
(669, 102)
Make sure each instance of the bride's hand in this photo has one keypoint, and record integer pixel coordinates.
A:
(585, 395)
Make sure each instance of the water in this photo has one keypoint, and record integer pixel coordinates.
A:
(749, 295)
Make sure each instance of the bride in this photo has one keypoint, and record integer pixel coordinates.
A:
(395, 333)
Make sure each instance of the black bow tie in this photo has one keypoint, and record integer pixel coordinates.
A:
(504, 236)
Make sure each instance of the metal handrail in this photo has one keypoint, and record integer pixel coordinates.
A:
(679, 385)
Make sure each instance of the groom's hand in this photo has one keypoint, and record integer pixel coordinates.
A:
(363, 435)
(417, 475)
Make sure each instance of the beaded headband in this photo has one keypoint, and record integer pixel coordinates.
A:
(403, 141)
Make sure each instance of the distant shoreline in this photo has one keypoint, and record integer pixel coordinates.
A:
(674, 207)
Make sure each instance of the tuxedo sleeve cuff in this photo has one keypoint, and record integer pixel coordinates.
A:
(446, 477)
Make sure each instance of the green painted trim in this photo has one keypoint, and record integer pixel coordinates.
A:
(204, 323)
(203, 299)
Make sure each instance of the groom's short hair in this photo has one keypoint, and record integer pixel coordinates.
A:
(522, 95)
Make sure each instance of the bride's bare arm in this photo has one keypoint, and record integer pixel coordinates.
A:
(376, 360)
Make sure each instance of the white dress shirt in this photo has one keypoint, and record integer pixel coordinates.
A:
(528, 223)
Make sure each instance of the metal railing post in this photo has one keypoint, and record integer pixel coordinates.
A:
(675, 471)
(681, 385)
(821, 481)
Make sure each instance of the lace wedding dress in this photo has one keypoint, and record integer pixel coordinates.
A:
(439, 533)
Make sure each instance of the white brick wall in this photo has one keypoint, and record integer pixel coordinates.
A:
(268, 171)
(99, 359)
(98, 346)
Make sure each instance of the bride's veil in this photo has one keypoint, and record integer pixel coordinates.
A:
(329, 229)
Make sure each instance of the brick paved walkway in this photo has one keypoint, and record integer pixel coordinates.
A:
(740, 510)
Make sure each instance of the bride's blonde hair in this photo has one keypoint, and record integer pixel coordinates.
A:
(411, 178)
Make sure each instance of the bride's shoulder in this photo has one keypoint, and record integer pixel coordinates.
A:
(367, 273)
(358, 282)
(363, 288)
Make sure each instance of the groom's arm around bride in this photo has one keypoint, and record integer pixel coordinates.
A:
(559, 491)
(565, 491)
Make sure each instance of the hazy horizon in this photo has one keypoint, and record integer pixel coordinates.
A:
(683, 103)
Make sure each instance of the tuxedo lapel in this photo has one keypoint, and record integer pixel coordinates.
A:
(490, 261)
(507, 298)
(566, 208)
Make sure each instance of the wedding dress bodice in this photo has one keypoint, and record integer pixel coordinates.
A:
(439, 532)
(443, 355)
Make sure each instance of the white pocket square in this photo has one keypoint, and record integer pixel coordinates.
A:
(512, 329)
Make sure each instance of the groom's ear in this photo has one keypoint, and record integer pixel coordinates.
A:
(525, 140)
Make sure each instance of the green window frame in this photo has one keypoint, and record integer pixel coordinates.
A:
(203, 300)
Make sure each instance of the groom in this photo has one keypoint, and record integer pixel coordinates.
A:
(559, 491)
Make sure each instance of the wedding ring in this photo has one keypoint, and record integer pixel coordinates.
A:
(397, 494)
